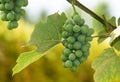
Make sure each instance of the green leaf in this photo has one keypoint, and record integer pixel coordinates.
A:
(112, 21)
(45, 36)
(119, 21)
(116, 43)
(107, 66)
(26, 59)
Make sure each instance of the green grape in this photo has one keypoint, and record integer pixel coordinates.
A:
(76, 34)
(76, 28)
(71, 39)
(76, 63)
(77, 45)
(4, 17)
(89, 38)
(85, 48)
(22, 12)
(2, 7)
(72, 56)
(65, 34)
(9, 6)
(63, 58)
(84, 29)
(65, 43)
(21, 3)
(90, 32)
(81, 38)
(10, 16)
(70, 46)
(69, 21)
(79, 53)
(81, 22)
(17, 16)
(73, 68)
(6, 1)
(77, 19)
(82, 59)
(86, 53)
(12, 24)
(66, 51)
(68, 27)
(68, 64)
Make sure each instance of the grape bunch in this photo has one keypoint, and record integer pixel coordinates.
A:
(12, 11)
(75, 38)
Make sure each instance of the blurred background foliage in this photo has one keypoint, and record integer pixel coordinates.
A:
(48, 68)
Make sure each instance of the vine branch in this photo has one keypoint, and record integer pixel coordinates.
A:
(108, 28)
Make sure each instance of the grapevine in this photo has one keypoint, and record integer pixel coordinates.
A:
(12, 11)
(76, 36)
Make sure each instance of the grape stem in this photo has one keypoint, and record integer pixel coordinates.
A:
(102, 35)
(107, 25)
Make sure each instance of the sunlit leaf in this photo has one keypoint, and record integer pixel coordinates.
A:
(107, 66)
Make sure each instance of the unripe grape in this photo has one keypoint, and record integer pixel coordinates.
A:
(9, 6)
(2, 7)
(71, 39)
(68, 27)
(12, 25)
(63, 58)
(82, 59)
(17, 16)
(76, 34)
(10, 16)
(89, 38)
(77, 45)
(81, 38)
(76, 63)
(65, 34)
(72, 56)
(21, 3)
(77, 19)
(84, 29)
(4, 17)
(68, 64)
(65, 43)
(22, 12)
(90, 32)
(76, 28)
(73, 68)
(66, 51)
(69, 21)
(79, 53)
(70, 46)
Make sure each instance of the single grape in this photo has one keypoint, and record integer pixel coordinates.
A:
(22, 12)
(2, 7)
(72, 56)
(17, 16)
(90, 32)
(65, 34)
(68, 64)
(89, 38)
(66, 51)
(81, 38)
(85, 48)
(79, 53)
(71, 39)
(84, 29)
(73, 68)
(69, 21)
(68, 27)
(65, 43)
(21, 3)
(9, 6)
(63, 58)
(82, 59)
(4, 17)
(12, 25)
(77, 45)
(76, 34)
(10, 16)
(76, 63)
(70, 46)
(77, 19)
(76, 28)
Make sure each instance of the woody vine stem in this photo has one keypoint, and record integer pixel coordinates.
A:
(107, 25)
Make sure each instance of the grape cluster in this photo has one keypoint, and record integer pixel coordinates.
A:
(12, 11)
(75, 37)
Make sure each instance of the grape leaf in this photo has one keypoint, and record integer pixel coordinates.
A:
(25, 59)
(112, 21)
(116, 43)
(107, 66)
(48, 34)
(119, 21)
(45, 36)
